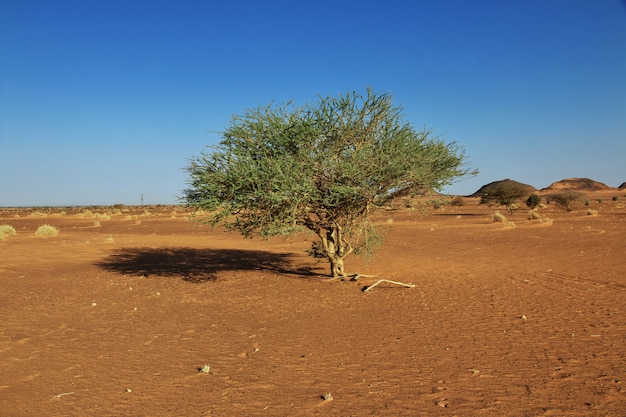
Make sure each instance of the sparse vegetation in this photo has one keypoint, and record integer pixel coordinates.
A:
(591, 212)
(6, 230)
(506, 193)
(457, 201)
(534, 215)
(566, 198)
(46, 230)
(500, 218)
(615, 198)
(533, 201)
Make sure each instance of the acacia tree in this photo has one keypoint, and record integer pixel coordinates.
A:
(325, 167)
(506, 192)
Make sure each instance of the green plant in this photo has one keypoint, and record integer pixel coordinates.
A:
(566, 198)
(615, 198)
(533, 201)
(46, 230)
(506, 192)
(325, 167)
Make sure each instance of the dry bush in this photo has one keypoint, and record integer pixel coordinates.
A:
(457, 201)
(46, 230)
(592, 212)
(6, 230)
(566, 198)
(499, 218)
(534, 215)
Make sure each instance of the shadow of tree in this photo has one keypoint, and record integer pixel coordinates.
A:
(196, 265)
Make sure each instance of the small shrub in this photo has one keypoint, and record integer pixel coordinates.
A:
(6, 230)
(592, 212)
(88, 214)
(600, 200)
(499, 218)
(587, 202)
(533, 201)
(534, 215)
(457, 201)
(566, 198)
(615, 198)
(46, 230)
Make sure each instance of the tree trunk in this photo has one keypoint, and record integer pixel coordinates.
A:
(336, 267)
(337, 248)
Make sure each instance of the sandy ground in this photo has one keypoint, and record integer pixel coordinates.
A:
(116, 316)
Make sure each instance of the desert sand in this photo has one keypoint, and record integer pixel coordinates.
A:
(141, 312)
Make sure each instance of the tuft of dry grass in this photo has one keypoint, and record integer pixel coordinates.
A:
(534, 215)
(591, 212)
(499, 218)
(46, 230)
(6, 230)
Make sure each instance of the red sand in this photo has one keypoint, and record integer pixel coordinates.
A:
(116, 316)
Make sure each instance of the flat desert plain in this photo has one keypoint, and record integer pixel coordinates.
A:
(141, 312)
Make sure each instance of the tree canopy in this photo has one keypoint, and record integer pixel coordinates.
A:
(506, 192)
(325, 167)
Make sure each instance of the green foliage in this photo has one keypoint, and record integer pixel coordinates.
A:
(566, 198)
(324, 167)
(615, 198)
(506, 192)
(533, 201)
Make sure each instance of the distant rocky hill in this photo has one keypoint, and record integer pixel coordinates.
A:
(579, 184)
(623, 185)
(503, 183)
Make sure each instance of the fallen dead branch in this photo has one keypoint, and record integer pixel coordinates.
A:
(65, 393)
(390, 282)
(356, 276)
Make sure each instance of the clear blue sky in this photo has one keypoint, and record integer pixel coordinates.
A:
(103, 101)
